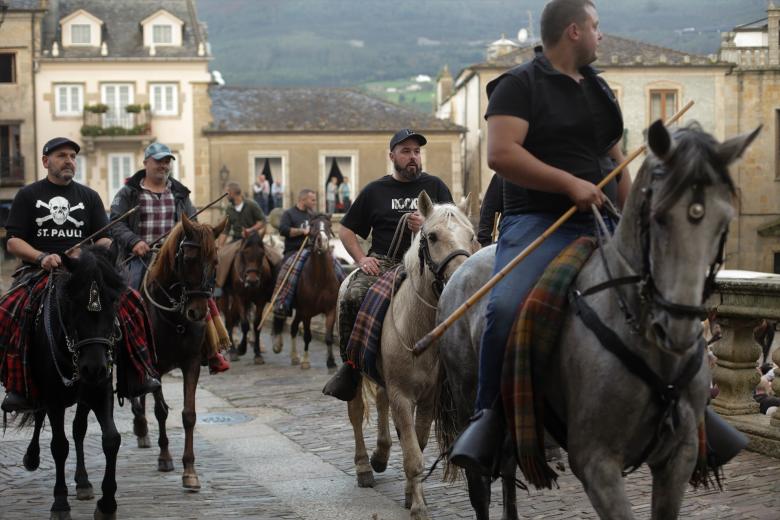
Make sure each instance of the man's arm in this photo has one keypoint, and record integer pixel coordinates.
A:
(624, 185)
(367, 264)
(508, 157)
(21, 249)
(259, 224)
(492, 203)
(121, 231)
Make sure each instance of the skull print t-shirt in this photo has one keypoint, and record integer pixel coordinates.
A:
(52, 218)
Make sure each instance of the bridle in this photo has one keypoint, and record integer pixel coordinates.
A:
(72, 342)
(437, 268)
(246, 271)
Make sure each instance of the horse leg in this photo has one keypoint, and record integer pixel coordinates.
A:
(356, 408)
(276, 333)
(670, 480)
(383, 439)
(330, 321)
(191, 374)
(60, 510)
(84, 489)
(164, 459)
(508, 472)
(240, 316)
(32, 457)
(104, 412)
(479, 494)
(256, 327)
(423, 420)
(403, 417)
(140, 425)
(294, 358)
(305, 364)
(601, 475)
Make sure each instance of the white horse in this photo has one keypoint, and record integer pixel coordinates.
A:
(447, 239)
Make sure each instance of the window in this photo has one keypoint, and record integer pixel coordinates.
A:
(342, 167)
(162, 34)
(777, 144)
(117, 97)
(164, 99)
(119, 168)
(174, 171)
(274, 167)
(776, 265)
(70, 100)
(80, 34)
(7, 68)
(663, 104)
(11, 160)
(81, 169)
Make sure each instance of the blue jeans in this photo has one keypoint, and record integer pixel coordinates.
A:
(516, 233)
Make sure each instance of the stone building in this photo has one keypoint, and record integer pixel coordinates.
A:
(299, 135)
(19, 43)
(116, 76)
(649, 82)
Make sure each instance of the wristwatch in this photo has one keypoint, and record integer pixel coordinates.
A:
(39, 258)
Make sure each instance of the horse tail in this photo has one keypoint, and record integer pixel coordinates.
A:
(20, 421)
(446, 424)
(368, 395)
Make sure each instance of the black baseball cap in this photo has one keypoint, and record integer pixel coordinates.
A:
(407, 133)
(59, 142)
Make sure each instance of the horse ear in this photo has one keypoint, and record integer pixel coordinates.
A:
(219, 228)
(732, 149)
(424, 204)
(465, 206)
(659, 140)
(186, 223)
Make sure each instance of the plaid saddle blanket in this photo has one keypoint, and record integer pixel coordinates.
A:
(364, 342)
(534, 336)
(286, 294)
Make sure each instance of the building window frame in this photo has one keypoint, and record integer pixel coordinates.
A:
(86, 31)
(662, 92)
(324, 169)
(162, 34)
(10, 76)
(169, 98)
(74, 104)
(118, 171)
(81, 169)
(284, 156)
(117, 115)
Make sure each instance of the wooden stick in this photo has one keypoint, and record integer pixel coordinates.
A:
(99, 231)
(496, 218)
(278, 290)
(422, 345)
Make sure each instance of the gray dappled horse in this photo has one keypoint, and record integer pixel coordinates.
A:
(671, 237)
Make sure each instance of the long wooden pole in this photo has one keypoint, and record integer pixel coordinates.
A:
(101, 230)
(422, 345)
(278, 289)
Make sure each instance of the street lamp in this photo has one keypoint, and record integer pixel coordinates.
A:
(224, 173)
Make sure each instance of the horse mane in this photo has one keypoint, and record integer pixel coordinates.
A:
(253, 240)
(95, 264)
(164, 267)
(694, 160)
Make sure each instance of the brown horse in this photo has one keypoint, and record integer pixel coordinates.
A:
(176, 289)
(251, 282)
(316, 293)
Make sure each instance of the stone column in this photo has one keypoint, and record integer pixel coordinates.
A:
(735, 372)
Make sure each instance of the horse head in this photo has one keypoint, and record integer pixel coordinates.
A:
(321, 233)
(250, 260)
(674, 229)
(86, 304)
(444, 242)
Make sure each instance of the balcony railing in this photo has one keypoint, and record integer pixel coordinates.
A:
(99, 121)
(12, 171)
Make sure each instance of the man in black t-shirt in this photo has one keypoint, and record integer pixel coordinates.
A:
(294, 224)
(377, 210)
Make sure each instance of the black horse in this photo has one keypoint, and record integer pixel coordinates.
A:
(72, 359)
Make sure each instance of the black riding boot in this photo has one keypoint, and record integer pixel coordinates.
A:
(478, 447)
(344, 383)
(14, 402)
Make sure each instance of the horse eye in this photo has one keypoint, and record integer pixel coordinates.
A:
(432, 237)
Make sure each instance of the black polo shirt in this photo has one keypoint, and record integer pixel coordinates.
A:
(571, 125)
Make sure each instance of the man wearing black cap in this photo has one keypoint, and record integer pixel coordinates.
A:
(376, 211)
(47, 218)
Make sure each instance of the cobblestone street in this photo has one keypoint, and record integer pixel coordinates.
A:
(269, 445)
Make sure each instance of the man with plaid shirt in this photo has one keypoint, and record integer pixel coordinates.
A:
(161, 201)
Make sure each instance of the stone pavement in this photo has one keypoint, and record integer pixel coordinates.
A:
(291, 457)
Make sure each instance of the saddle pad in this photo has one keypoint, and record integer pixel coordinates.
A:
(286, 293)
(364, 342)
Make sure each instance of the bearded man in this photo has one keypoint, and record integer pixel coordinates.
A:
(376, 211)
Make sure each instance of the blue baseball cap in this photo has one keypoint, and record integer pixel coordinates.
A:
(158, 151)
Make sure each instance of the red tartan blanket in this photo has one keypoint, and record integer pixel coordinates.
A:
(364, 342)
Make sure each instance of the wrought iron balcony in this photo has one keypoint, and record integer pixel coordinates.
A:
(12, 171)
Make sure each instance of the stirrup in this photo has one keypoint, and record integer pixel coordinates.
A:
(478, 447)
(344, 383)
(723, 440)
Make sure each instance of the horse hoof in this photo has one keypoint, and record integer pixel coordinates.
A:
(407, 501)
(330, 363)
(242, 348)
(233, 355)
(164, 465)
(144, 442)
(379, 465)
(278, 344)
(190, 482)
(366, 479)
(295, 361)
(85, 493)
(100, 515)
(305, 365)
(31, 463)
(259, 360)
(60, 515)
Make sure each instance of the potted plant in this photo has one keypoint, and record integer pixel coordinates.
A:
(133, 109)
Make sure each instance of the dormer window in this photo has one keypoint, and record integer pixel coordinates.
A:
(162, 34)
(80, 34)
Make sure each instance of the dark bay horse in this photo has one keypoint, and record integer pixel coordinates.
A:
(316, 293)
(176, 289)
(250, 283)
(76, 333)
